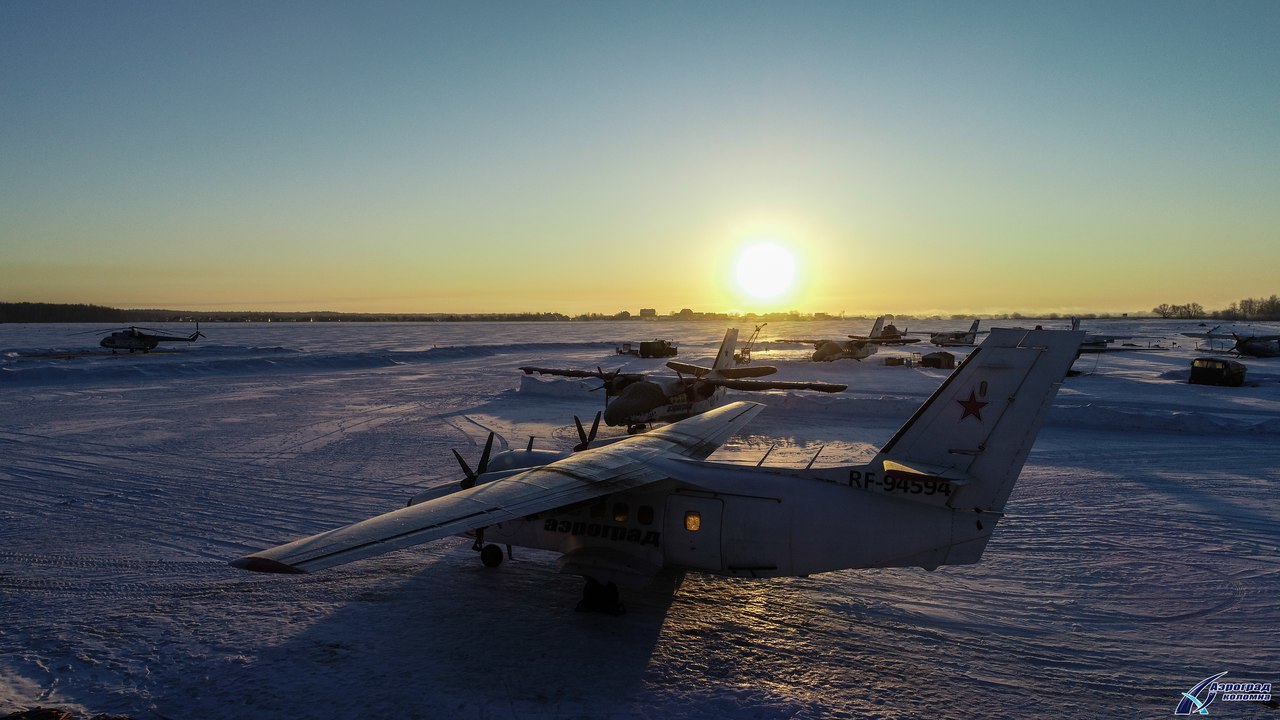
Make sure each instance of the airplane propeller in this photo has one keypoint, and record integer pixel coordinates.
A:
(583, 435)
(470, 480)
(606, 383)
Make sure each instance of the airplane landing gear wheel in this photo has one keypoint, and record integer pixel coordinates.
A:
(491, 555)
(597, 597)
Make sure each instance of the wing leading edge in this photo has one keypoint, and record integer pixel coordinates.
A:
(618, 467)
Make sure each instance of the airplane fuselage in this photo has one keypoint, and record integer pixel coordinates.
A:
(843, 350)
(1258, 348)
(666, 400)
(764, 523)
(129, 341)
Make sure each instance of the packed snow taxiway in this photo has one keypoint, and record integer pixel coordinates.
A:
(1141, 553)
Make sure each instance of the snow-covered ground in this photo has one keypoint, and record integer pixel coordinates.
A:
(1139, 557)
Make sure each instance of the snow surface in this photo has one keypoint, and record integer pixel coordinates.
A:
(1139, 556)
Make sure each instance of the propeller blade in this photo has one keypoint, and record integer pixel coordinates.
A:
(484, 457)
(470, 479)
(586, 437)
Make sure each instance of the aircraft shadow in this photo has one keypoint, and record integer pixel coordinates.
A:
(450, 638)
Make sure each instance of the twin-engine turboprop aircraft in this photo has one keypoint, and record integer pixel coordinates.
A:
(1262, 346)
(620, 512)
(637, 399)
(857, 347)
(956, 338)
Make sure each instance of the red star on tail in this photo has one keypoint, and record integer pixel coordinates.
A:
(972, 406)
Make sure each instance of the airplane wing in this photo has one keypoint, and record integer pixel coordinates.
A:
(749, 371)
(885, 341)
(599, 375)
(800, 341)
(624, 465)
(733, 384)
(529, 370)
(729, 372)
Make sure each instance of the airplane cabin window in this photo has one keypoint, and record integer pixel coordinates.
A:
(692, 520)
(645, 514)
(620, 512)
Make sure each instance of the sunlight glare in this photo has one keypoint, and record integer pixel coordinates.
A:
(765, 270)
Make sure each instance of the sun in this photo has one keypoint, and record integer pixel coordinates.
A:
(765, 271)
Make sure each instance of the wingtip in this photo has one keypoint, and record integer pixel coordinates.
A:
(261, 564)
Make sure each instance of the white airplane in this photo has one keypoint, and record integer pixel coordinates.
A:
(637, 400)
(620, 512)
(956, 338)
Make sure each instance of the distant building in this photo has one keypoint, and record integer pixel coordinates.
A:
(648, 314)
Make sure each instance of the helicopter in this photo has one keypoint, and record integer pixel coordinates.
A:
(136, 338)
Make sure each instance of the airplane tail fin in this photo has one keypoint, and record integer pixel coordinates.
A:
(724, 358)
(878, 328)
(976, 430)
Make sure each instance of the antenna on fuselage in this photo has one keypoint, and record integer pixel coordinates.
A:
(766, 455)
(815, 457)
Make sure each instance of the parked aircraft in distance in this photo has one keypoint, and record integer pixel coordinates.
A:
(956, 338)
(1093, 343)
(638, 399)
(856, 348)
(620, 512)
(136, 338)
(886, 334)
(1263, 346)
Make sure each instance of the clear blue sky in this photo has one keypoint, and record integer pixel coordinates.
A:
(599, 156)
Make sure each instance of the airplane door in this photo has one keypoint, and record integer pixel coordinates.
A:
(693, 532)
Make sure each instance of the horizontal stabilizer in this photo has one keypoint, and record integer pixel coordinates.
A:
(916, 471)
(751, 371)
(685, 368)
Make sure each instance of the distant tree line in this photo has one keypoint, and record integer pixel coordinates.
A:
(50, 312)
(1247, 309)
(25, 312)
(1185, 312)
